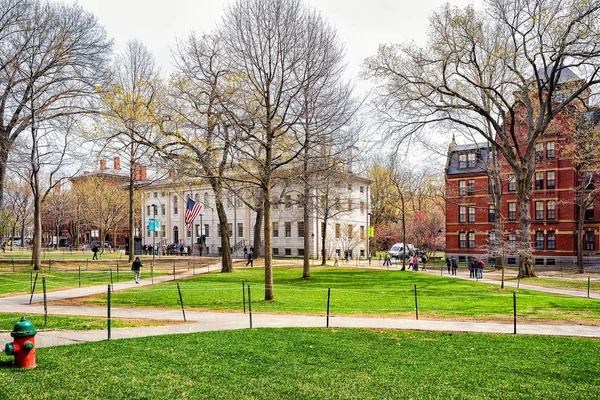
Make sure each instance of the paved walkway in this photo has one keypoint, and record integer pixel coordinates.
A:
(210, 321)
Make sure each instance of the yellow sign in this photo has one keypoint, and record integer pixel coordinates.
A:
(371, 231)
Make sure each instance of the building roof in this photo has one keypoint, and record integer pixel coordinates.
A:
(482, 149)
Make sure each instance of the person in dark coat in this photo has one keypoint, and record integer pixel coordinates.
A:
(250, 258)
(135, 267)
(95, 251)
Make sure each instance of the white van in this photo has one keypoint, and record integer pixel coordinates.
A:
(400, 251)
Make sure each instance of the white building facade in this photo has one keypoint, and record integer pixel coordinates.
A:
(346, 226)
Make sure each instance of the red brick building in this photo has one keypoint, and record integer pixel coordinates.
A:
(470, 211)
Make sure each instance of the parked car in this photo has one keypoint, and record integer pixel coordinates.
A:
(399, 250)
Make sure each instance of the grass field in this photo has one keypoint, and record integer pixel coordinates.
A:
(7, 322)
(360, 292)
(313, 364)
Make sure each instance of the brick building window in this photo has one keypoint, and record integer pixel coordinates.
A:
(462, 214)
(589, 213)
(491, 213)
(471, 187)
(240, 230)
(551, 209)
(288, 229)
(512, 183)
(512, 240)
(588, 181)
(462, 188)
(539, 151)
(539, 210)
(491, 238)
(350, 231)
(163, 209)
(175, 205)
(550, 150)
(206, 230)
(471, 240)
(288, 252)
(462, 240)
(551, 240)
(147, 210)
(550, 180)
(338, 230)
(589, 240)
(275, 229)
(539, 240)
(471, 214)
(539, 181)
(512, 211)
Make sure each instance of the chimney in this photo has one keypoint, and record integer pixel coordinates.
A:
(172, 173)
(102, 164)
(116, 163)
(139, 172)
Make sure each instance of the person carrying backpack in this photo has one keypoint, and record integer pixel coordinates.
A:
(135, 267)
(424, 261)
(454, 264)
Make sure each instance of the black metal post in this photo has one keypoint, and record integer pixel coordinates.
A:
(33, 288)
(328, 302)
(416, 304)
(250, 306)
(45, 302)
(108, 310)
(181, 301)
(515, 312)
(244, 295)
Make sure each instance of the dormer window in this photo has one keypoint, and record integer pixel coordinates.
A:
(539, 151)
(471, 160)
(462, 161)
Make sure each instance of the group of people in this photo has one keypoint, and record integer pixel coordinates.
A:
(452, 265)
(476, 266)
(413, 262)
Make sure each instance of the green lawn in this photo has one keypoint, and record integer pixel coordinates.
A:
(360, 292)
(578, 284)
(21, 282)
(313, 364)
(7, 322)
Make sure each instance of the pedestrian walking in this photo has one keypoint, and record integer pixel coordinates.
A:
(471, 268)
(250, 258)
(135, 267)
(387, 260)
(415, 263)
(454, 264)
(449, 265)
(245, 253)
(95, 251)
(336, 262)
(424, 262)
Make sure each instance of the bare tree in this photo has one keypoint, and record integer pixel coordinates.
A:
(51, 55)
(504, 74)
(130, 105)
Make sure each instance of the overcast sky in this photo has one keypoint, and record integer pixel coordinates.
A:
(362, 25)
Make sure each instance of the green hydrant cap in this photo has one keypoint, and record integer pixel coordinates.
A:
(23, 328)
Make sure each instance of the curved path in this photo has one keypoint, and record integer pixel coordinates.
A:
(210, 321)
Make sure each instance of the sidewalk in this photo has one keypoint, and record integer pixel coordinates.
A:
(211, 321)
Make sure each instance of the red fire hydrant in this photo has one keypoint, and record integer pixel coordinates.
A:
(23, 346)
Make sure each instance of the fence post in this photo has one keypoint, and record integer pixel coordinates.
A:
(33, 288)
(79, 275)
(250, 306)
(13, 264)
(244, 295)
(328, 302)
(515, 312)
(416, 304)
(117, 271)
(518, 281)
(108, 311)
(181, 301)
(173, 271)
(45, 302)
(588, 287)
(111, 281)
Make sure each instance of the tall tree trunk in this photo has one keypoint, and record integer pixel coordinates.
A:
(306, 218)
(323, 237)
(4, 145)
(269, 295)
(525, 188)
(257, 230)
(226, 263)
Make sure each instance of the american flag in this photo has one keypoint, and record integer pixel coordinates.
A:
(191, 212)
